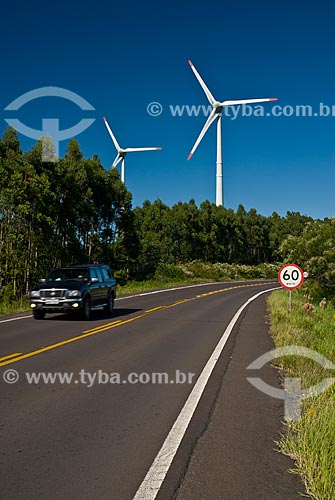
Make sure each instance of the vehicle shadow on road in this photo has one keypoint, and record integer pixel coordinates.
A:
(96, 315)
(122, 311)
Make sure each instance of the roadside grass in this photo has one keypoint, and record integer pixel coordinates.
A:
(310, 441)
(20, 305)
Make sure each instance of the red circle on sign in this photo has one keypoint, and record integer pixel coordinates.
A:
(285, 285)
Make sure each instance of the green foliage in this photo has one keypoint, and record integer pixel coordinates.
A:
(121, 277)
(170, 272)
(185, 233)
(314, 250)
(58, 213)
(221, 272)
(15, 306)
(7, 294)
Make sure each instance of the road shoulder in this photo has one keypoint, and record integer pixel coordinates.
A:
(236, 457)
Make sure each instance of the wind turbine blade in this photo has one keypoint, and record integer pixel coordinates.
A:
(202, 83)
(208, 123)
(112, 135)
(132, 150)
(248, 101)
(117, 160)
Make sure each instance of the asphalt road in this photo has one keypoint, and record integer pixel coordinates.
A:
(85, 440)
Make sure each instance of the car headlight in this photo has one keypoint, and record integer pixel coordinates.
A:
(35, 293)
(74, 293)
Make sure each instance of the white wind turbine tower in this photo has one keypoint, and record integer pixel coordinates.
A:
(121, 152)
(216, 113)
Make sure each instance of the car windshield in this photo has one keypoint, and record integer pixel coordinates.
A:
(73, 274)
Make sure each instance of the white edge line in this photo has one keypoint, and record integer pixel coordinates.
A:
(155, 476)
(15, 319)
(142, 294)
(163, 290)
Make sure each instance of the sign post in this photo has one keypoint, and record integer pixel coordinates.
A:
(290, 276)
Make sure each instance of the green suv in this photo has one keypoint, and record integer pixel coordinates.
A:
(74, 289)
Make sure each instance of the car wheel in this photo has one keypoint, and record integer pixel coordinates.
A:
(86, 311)
(109, 307)
(39, 314)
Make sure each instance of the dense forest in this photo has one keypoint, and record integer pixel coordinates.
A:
(74, 210)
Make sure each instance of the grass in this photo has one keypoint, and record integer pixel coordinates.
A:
(310, 441)
(20, 305)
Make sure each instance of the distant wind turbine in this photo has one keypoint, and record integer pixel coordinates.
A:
(121, 152)
(216, 113)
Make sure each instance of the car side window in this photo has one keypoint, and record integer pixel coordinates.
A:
(93, 273)
(99, 275)
(106, 273)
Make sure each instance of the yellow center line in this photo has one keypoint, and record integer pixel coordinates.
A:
(10, 356)
(155, 309)
(6, 360)
(109, 326)
(98, 328)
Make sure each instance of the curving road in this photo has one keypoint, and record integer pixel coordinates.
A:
(104, 431)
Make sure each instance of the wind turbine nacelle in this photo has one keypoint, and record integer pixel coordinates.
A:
(218, 106)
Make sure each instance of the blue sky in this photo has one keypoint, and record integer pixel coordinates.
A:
(121, 57)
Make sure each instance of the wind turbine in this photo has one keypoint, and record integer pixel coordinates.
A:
(216, 113)
(121, 152)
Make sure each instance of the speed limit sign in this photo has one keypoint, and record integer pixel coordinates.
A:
(291, 276)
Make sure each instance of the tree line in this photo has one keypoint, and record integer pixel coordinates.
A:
(74, 210)
(55, 213)
(209, 233)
